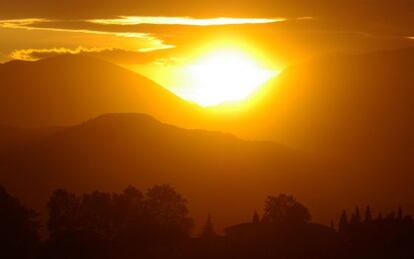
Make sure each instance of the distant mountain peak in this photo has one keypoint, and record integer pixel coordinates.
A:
(15, 62)
(73, 58)
(68, 89)
(122, 118)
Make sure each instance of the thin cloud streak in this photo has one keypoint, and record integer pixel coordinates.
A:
(30, 24)
(115, 55)
(21, 23)
(135, 20)
(36, 54)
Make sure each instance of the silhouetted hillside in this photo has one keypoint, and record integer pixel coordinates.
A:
(212, 169)
(356, 109)
(344, 105)
(156, 223)
(68, 89)
(10, 137)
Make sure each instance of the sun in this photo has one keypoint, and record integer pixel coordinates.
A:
(224, 75)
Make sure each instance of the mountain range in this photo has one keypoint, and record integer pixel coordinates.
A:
(351, 117)
(68, 89)
(211, 169)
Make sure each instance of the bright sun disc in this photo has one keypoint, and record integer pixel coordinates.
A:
(225, 76)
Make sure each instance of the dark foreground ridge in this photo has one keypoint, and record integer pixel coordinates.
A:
(116, 150)
(156, 224)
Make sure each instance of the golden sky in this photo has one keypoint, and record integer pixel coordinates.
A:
(158, 37)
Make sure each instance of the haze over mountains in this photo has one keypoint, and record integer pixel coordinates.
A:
(307, 107)
(68, 89)
(357, 108)
(345, 105)
(352, 108)
(211, 169)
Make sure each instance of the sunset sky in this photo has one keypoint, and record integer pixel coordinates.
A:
(227, 101)
(163, 39)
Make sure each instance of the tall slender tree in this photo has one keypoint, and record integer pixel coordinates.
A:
(285, 209)
(400, 214)
(356, 217)
(343, 222)
(380, 217)
(368, 214)
(256, 218)
(208, 229)
(18, 228)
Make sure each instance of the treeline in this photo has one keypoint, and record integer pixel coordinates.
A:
(129, 224)
(389, 236)
(156, 224)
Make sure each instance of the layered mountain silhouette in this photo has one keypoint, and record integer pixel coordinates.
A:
(213, 170)
(346, 107)
(343, 106)
(356, 108)
(68, 89)
(12, 137)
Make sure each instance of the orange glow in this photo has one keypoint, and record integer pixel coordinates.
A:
(225, 76)
(133, 20)
(225, 71)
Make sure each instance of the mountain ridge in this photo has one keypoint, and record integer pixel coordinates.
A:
(116, 150)
(67, 89)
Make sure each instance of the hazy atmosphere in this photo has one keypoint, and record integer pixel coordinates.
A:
(185, 129)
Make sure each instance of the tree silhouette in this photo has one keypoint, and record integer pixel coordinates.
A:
(391, 216)
(18, 228)
(380, 217)
(285, 209)
(128, 210)
(389, 237)
(208, 229)
(400, 214)
(368, 215)
(64, 212)
(356, 217)
(256, 218)
(343, 222)
(96, 213)
(130, 221)
(169, 213)
(132, 225)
